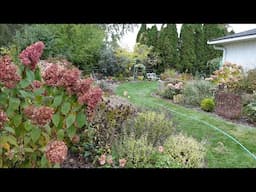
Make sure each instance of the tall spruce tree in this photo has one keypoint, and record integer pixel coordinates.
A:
(143, 29)
(167, 46)
(187, 50)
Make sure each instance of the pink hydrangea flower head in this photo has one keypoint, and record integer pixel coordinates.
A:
(70, 77)
(39, 115)
(8, 72)
(36, 84)
(31, 55)
(102, 159)
(83, 85)
(122, 162)
(53, 74)
(91, 98)
(56, 151)
(110, 160)
(161, 149)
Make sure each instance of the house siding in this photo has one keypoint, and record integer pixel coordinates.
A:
(242, 53)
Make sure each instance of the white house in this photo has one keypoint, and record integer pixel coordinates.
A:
(238, 48)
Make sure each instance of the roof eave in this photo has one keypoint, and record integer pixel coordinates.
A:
(223, 41)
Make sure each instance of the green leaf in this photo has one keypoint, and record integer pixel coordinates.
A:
(70, 120)
(38, 74)
(27, 149)
(57, 101)
(25, 94)
(12, 140)
(35, 134)
(9, 129)
(65, 108)
(27, 139)
(60, 134)
(17, 120)
(38, 99)
(56, 119)
(39, 92)
(30, 76)
(14, 103)
(28, 126)
(24, 83)
(71, 131)
(81, 119)
(43, 162)
(10, 112)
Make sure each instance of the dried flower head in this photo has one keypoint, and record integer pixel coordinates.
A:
(56, 151)
(110, 160)
(83, 85)
(161, 149)
(36, 84)
(53, 74)
(122, 162)
(8, 72)
(102, 159)
(39, 115)
(31, 55)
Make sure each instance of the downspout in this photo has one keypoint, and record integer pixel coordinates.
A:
(224, 53)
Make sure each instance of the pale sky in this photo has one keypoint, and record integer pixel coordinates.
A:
(128, 41)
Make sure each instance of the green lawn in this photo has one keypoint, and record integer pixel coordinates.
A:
(222, 152)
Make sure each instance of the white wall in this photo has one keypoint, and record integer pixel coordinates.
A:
(242, 53)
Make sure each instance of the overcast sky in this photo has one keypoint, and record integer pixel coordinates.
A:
(128, 41)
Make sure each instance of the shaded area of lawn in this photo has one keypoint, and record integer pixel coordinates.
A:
(222, 152)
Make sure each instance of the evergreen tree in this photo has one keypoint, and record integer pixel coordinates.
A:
(212, 31)
(200, 64)
(142, 31)
(167, 46)
(152, 36)
(187, 50)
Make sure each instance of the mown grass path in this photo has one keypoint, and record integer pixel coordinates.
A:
(222, 152)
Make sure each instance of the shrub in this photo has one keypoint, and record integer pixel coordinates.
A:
(155, 126)
(229, 76)
(186, 151)
(136, 152)
(178, 99)
(110, 116)
(228, 105)
(139, 153)
(168, 93)
(140, 78)
(197, 90)
(250, 111)
(172, 89)
(169, 73)
(36, 113)
(207, 104)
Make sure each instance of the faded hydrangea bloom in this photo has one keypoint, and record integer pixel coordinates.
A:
(8, 72)
(102, 159)
(122, 162)
(39, 115)
(53, 74)
(83, 85)
(161, 149)
(110, 160)
(3, 118)
(31, 55)
(56, 151)
(36, 84)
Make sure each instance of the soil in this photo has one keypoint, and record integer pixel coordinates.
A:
(75, 161)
